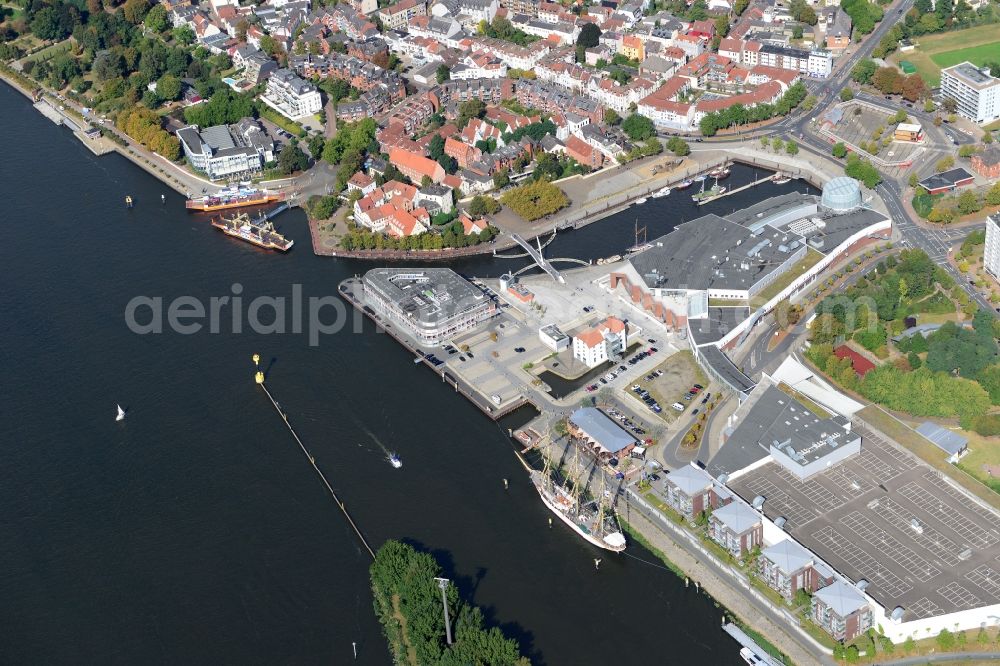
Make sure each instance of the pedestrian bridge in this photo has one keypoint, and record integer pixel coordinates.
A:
(536, 256)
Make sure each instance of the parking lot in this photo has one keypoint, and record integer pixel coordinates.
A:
(858, 125)
(885, 517)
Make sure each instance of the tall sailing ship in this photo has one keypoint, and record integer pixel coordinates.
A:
(236, 196)
(591, 519)
(259, 232)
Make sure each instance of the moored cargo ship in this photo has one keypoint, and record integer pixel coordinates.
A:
(234, 197)
(260, 232)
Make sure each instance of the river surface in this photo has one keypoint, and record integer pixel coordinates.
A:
(195, 531)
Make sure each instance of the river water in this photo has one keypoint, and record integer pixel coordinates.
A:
(195, 532)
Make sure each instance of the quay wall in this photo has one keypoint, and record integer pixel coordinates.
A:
(347, 292)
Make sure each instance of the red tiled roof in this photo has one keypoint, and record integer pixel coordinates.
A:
(862, 365)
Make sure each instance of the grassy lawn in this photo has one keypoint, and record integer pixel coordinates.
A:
(51, 51)
(284, 123)
(926, 451)
(727, 303)
(922, 203)
(806, 402)
(770, 291)
(641, 540)
(663, 507)
(948, 48)
(977, 55)
(982, 451)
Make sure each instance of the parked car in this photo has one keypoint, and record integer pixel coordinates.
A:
(678, 406)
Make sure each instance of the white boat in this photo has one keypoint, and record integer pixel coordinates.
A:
(642, 200)
(661, 193)
(585, 521)
(750, 657)
(700, 177)
(780, 179)
(395, 461)
(121, 414)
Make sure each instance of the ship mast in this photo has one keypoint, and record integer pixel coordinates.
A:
(599, 522)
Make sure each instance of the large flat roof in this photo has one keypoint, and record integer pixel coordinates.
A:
(426, 295)
(720, 321)
(859, 517)
(971, 75)
(713, 253)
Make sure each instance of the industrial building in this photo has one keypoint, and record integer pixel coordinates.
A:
(431, 304)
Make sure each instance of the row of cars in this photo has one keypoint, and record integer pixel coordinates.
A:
(690, 395)
(647, 398)
(641, 355)
(627, 423)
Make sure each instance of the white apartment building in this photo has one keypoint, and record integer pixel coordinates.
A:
(991, 255)
(976, 92)
(292, 96)
(596, 345)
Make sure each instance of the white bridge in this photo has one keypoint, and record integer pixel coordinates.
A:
(535, 253)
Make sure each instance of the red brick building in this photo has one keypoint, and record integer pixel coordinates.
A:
(987, 163)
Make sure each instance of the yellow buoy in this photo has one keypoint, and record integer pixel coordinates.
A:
(259, 377)
(256, 359)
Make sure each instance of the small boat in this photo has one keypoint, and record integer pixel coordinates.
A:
(684, 184)
(780, 179)
(121, 414)
(642, 200)
(395, 461)
(661, 193)
(417, 360)
(700, 177)
(721, 172)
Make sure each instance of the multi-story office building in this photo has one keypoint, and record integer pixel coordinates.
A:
(975, 91)
(430, 304)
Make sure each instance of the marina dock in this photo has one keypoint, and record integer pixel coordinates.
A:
(702, 202)
(745, 641)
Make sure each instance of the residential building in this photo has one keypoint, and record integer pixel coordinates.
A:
(974, 90)
(841, 611)
(291, 96)
(737, 528)
(597, 344)
(987, 163)
(838, 31)
(691, 491)
(435, 197)
(397, 16)
(429, 304)
(991, 255)
(787, 567)
(415, 167)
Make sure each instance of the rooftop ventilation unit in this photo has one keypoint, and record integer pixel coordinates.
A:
(862, 585)
(779, 522)
(758, 502)
(897, 614)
